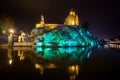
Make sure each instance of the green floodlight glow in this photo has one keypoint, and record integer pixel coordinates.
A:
(62, 44)
(65, 36)
(70, 53)
(39, 49)
(39, 44)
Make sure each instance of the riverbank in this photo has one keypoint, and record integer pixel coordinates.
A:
(17, 44)
(3, 45)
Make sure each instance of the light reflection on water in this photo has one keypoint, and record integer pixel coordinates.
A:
(69, 58)
(50, 58)
(116, 46)
(70, 54)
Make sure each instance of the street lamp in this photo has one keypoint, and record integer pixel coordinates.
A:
(11, 31)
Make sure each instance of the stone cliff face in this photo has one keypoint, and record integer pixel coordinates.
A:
(64, 36)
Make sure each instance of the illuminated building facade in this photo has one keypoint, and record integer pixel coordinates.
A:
(72, 19)
(21, 37)
(71, 33)
(42, 24)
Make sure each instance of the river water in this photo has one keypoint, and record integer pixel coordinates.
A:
(68, 63)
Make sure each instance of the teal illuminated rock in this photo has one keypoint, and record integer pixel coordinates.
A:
(64, 36)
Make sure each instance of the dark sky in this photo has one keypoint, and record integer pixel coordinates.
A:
(102, 16)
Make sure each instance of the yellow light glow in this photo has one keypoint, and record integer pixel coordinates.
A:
(72, 77)
(73, 71)
(73, 23)
(21, 55)
(72, 13)
(11, 31)
(4, 31)
(51, 65)
(77, 69)
(72, 19)
(10, 61)
(40, 67)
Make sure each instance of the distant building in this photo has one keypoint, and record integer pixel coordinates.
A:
(21, 37)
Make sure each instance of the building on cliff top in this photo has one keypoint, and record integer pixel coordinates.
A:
(72, 19)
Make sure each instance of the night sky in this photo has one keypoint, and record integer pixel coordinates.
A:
(102, 16)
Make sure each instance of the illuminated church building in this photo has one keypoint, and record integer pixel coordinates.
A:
(71, 33)
(72, 19)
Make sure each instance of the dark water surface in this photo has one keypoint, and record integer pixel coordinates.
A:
(71, 63)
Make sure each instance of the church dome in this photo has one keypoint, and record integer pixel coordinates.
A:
(72, 19)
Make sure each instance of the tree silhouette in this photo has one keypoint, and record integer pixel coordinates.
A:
(6, 23)
(85, 25)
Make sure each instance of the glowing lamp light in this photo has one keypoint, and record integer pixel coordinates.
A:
(11, 31)
(4, 31)
(10, 61)
(37, 66)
